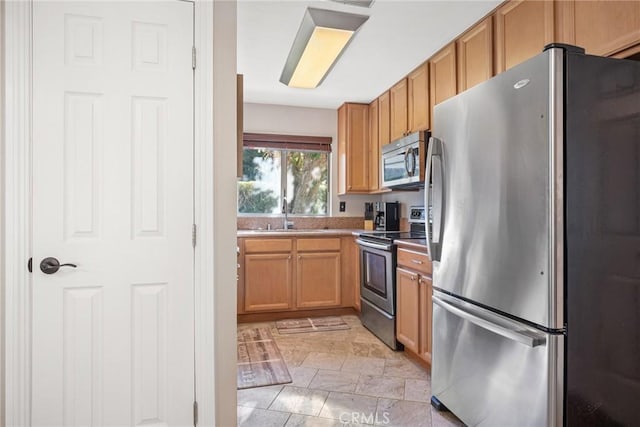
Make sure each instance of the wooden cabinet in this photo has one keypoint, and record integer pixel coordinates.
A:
(600, 27)
(374, 146)
(475, 55)
(384, 118)
(318, 280)
(409, 103)
(268, 281)
(523, 28)
(398, 96)
(418, 102)
(442, 75)
(353, 148)
(413, 290)
(299, 273)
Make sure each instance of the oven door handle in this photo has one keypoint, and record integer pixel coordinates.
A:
(373, 245)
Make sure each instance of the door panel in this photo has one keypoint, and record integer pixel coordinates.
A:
(490, 380)
(496, 152)
(113, 193)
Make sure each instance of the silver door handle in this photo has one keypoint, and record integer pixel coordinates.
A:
(430, 193)
(373, 245)
(488, 322)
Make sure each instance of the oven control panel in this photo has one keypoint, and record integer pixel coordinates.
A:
(417, 214)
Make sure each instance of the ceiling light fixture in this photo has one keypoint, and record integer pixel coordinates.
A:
(322, 37)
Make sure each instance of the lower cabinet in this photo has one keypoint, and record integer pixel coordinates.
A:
(318, 280)
(413, 290)
(293, 274)
(268, 282)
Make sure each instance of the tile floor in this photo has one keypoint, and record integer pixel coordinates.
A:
(342, 378)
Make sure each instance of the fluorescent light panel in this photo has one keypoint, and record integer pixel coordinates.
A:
(321, 39)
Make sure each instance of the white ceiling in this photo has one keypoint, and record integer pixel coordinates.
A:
(398, 36)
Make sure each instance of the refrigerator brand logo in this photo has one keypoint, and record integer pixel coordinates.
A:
(521, 83)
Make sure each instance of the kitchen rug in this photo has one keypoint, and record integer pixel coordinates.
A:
(259, 360)
(311, 324)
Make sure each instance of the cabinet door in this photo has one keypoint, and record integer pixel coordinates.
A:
(384, 118)
(426, 291)
(442, 75)
(408, 309)
(523, 28)
(374, 147)
(342, 149)
(358, 148)
(353, 148)
(399, 120)
(475, 55)
(418, 87)
(600, 27)
(318, 280)
(267, 282)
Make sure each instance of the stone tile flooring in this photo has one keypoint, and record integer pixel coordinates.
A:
(342, 378)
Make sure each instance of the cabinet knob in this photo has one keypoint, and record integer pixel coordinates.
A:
(414, 278)
(417, 261)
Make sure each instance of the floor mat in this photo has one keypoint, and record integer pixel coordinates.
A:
(312, 324)
(259, 360)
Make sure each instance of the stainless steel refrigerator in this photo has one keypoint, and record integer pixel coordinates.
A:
(534, 186)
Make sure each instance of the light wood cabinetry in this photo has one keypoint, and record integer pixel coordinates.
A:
(418, 102)
(267, 281)
(318, 280)
(600, 27)
(475, 55)
(523, 28)
(442, 77)
(414, 289)
(353, 148)
(384, 118)
(374, 146)
(398, 96)
(298, 273)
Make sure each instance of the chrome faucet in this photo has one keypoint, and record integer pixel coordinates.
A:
(285, 211)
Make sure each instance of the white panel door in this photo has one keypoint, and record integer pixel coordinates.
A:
(113, 338)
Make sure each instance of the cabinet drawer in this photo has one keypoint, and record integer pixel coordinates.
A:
(309, 245)
(415, 261)
(267, 245)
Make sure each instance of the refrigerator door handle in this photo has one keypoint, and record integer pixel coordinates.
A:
(433, 195)
(507, 329)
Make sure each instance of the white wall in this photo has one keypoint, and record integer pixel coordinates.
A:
(1, 214)
(266, 118)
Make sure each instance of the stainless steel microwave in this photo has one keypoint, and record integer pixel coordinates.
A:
(403, 161)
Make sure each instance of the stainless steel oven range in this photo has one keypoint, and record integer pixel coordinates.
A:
(378, 277)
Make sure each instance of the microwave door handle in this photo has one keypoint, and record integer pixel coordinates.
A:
(410, 154)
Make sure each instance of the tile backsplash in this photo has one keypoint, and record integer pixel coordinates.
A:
(301, 222)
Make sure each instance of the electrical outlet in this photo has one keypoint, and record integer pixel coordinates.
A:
(343, 206)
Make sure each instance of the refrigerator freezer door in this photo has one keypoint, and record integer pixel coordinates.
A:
(493, 371)
(497, 228)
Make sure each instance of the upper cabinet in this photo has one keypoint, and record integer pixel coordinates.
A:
(384, 118)
(442, 75)
(409, 101)
(418, 102)
(374, 146)
(600, 27)
(399, 114)
(523, 28)
(353, 148)
(475, 55)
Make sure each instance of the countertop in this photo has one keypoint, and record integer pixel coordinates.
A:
(419, 245)
(316, 232)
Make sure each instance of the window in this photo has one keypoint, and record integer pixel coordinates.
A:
(279, 166)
